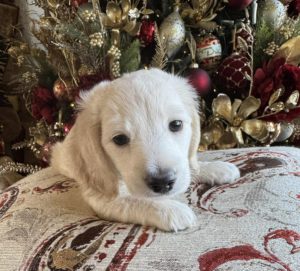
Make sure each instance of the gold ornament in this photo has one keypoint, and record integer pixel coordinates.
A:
(200, 13)
(229, 125)
(172, 32)
(89, 16)
(271, 49)
(275, 106)
(96, 39)
(62, 89)
(114, 63)
(290, 51)
(123, 17)
(274, 13)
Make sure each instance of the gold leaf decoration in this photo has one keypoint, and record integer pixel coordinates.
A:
(256, 129)
(290, 51)
(293, 100)
(159, 60)
(200, 13)
(277, 107)
(221, 106)
(248, 106)
(229, 125)
(275, 96)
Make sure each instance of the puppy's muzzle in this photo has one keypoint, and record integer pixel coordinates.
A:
(161, 183)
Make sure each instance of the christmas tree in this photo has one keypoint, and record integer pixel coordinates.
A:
(241, 56)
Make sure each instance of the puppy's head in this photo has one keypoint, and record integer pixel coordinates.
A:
(146, 128)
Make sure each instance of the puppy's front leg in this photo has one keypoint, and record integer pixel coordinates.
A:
(217, 173)
(165, 214)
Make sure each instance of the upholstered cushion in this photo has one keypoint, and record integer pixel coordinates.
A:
(253, 224)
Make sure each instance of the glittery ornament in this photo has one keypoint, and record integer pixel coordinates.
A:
(172, 32)
(146, 34)
(238, 4)
(273, 13)
(200, 80)
(61, 89)
(244, 35)
(232, 75)
(208, 52)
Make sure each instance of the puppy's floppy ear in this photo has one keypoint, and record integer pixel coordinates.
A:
(195, 140)
(81, 155)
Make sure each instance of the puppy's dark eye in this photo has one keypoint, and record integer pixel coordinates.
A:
(175, 125)
(121, 140)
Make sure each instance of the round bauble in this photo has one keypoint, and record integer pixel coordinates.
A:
(273, 13)
(62, 89)
(172, 33)
(232, 75)
(200, 80)
(238, 4)
(146, 34)
(208, 52)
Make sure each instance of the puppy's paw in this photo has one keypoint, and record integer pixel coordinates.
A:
(172, 215)
(217, 173)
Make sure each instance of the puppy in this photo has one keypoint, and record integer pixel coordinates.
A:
(142, 129)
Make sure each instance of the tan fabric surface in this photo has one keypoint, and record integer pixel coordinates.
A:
(253, 224)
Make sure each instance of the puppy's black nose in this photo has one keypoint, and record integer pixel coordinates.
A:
(163, 182)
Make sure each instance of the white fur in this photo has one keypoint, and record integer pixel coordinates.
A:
(141, 105)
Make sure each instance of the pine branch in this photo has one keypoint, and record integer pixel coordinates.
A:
(159, 60)
(131, 59)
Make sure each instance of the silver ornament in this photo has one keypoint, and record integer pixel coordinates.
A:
(274, 13)
(286, 130)
(172, 32)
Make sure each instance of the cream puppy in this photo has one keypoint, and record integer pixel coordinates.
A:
(142, 129)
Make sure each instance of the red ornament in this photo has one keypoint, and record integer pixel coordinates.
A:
(59, 90)
(200, 80)
(209, 52)
(239, 4)
(147, 30)
(231, 75)
(273, 75)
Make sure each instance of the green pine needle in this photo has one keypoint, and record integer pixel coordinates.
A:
(131, 59)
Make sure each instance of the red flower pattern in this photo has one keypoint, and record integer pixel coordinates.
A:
(273, 75)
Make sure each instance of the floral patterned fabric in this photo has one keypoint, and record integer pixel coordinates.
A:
(252, 224)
